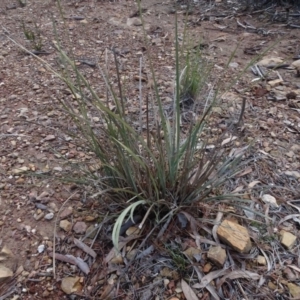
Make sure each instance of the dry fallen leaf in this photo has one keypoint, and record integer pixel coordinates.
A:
(228, 140)
(85, 248)
(294, 267)
(72, 260)
(245, 172)
(269, 200)
(253, 183)
(238, 189)
(114, 252)
(209, 277)
(188, 291)
(239, 274)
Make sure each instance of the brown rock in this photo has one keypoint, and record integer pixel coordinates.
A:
(132, 230)
(270, 61)
(6, 251)
(294, 174)
(172, 274)
(287, 239)
(191, 252)
(275, 82)
(71, 284)
(217, 255)
(5, 273)
(261, 260)
(80, 227)
(50, 137)
(130, 255)
(134, 22)
(294, 290)
(117, 259)
(46, 294)
(66, 212)
(20, 170)
(296, 65)
(234, 235)
(207, 267)
(39, 216)
(65, 225)
(272, 286)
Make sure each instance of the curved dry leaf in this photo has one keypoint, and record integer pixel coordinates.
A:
(269, 199)
(68, 258)
(289, 203)
(253, 183)
(245, 172)
(261, 281)
(209, 287)
(294, 267)
(288, 218)
(145, 252)
(238, 189)
(82, 265)
(209, 277)
(228, 140)
(85, 248)
(65, 258)
(188, 291)
(239, 274)
(216, 226)
(236, 152)
(267, 259)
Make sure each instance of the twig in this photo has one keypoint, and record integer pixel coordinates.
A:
(242, 111)
(241, 290)
(294, 26)
(96, 235)
(147, 121)
(119, 83)
(140, 90)
(216, 226)
(145, 217)
(54, 235)
(107, 73)
(259, 71)
(87, 62)
(239, 23)
(279, 76)
(200, 275)
(8, 294)
(13, 134)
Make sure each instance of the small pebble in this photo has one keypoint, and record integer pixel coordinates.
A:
(40, 206)
(41, 248)
(49, 216)
(38, 217)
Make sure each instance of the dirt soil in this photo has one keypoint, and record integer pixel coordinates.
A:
(36, 150)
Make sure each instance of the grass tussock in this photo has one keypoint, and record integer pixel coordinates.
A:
(164, 166)
(159, 169)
